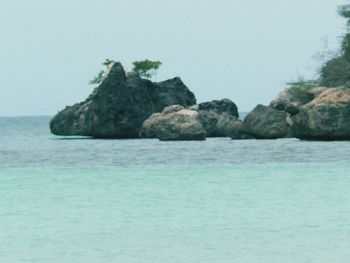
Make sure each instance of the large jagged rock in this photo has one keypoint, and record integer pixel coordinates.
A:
(173, 124)
(327, 117)
(211, 112)
(118, 107)
(267, 123)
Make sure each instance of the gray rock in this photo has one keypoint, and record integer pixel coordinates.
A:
(173, 124)
(290, 99)
(211, 112)
(118, 107)
(267, 123)
(172, 109)
(315, 92)
(285, 106)
(295, 96)
(327, 117)
(220, 106)
(231, 127)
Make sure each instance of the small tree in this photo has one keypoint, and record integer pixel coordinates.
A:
(108, 62)
(98, 79)
(344, 11)
(146, 68)
(103, 73)
(336, 71)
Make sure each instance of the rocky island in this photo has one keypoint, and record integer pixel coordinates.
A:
(126, 105)
(119, 105)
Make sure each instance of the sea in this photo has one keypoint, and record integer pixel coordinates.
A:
(85, 200)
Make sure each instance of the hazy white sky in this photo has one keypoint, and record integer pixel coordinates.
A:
(238, 49)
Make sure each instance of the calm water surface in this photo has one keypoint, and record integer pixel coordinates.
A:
(145, 201)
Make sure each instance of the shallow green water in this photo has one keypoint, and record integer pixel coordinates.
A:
(148, 201)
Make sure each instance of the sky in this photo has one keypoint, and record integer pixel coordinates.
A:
(242, 50)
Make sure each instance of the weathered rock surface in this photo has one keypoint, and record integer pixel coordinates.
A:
(290, 99)
(118, 107)
(292, 95)
(231, 127)
(174, 123)
(218, 118)
(267, 123)
(211, 112)
(327, 117)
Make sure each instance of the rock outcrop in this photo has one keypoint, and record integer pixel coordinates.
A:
(326, 117)
(232, 127)
(173, 124)
(290, 99)
(267, 123)
(211, 112)
(128, 106)
(118, 107)
(218, 118)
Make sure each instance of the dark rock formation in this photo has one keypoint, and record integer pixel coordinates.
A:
(267, 123)
(174, 123)
(231, 127)
(327, 117)
(118, 107)
(211, 112)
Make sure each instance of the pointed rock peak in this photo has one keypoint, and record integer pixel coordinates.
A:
(178, 79)
(116, 71)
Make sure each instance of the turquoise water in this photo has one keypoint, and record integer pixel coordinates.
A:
(83, 200)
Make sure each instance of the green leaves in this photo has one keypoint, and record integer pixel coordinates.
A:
(146, 68)
(108, 62)
(344, 11)
(336, 71)
(98, 79)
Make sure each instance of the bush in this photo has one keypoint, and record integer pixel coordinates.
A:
(336, 72)
(299, 89)
(146, 68)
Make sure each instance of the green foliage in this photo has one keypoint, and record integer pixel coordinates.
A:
(108, 62)
(103, 73)
(299, 89)
(303, 84)
(146, 68)
(98, 79)
(345, 46)
(344, 11)
(336, 72)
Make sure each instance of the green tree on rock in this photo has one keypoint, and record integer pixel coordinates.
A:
(146, 68)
